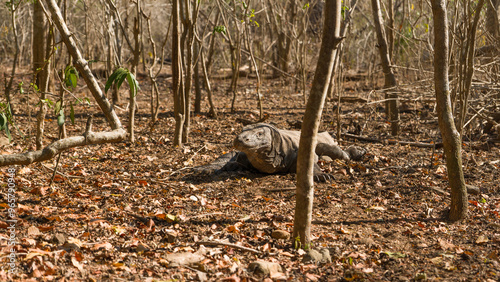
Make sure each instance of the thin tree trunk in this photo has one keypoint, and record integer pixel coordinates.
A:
(177, 74)
(188, 65)
(390, 79)
(40, 67)
(468, 67)
(492, 21)
(310, 125)
(390, 29)
(133, 70)
(8, 88)
(197, 86)
(212, 112)
(451, 138)
(250, 49)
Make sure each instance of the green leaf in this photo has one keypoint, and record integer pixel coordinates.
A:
(220, 29)
(7, 132)
(57, 107)
(71, 76)
(87, 100)
(112, 79)
(34, 86)
(46, 101)
(72, 113)
(132, 82)
(121, 78)
(60, 118)
(394, 255)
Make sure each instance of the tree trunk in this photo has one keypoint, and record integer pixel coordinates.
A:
(451, 138)
(390, 28)
(492, 21)
(390, 80)
(310, 125)
(177, 74)
(8, 88)
(197, 82)
(133, 70)
(212, 111)
(39, 66)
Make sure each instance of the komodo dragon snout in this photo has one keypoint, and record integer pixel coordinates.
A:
(256, 138)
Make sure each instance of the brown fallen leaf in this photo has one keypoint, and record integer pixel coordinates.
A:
(33, 231)
(445, 245)
(482, 239)
(105, 245)
(313, 277)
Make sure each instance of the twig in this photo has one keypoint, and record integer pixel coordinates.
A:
(393, 142)
(62, 174)
(55, 169)
(281, 189)
(416, 144)
(203, 215)
(217, 243)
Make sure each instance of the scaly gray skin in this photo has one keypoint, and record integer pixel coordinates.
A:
(265, 148)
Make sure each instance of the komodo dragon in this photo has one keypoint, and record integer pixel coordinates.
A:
(265, 148)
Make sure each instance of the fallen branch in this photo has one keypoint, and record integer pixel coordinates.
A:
(58, 146)
(416, 144)
(280, 189)
(393, 142)
(217, 243)
(203, 215)
(247, 121)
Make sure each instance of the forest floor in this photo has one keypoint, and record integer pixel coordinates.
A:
(137, 212)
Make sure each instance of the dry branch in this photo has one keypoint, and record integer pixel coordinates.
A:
(216, 243)
(55, 148)
(393, 142)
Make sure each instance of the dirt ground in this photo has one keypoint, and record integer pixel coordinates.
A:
(137, 212)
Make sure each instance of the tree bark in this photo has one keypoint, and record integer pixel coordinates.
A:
(310, 125)
(450, 135)
(212, 112)
(177, 74)
(40, 67)
(8, 88)
(492, 21)
(197, 84)
(133, 69)
(389, 77)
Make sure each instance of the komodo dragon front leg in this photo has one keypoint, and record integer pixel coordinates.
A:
(232, 161)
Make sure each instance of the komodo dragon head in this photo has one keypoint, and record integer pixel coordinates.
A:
(263, 145)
